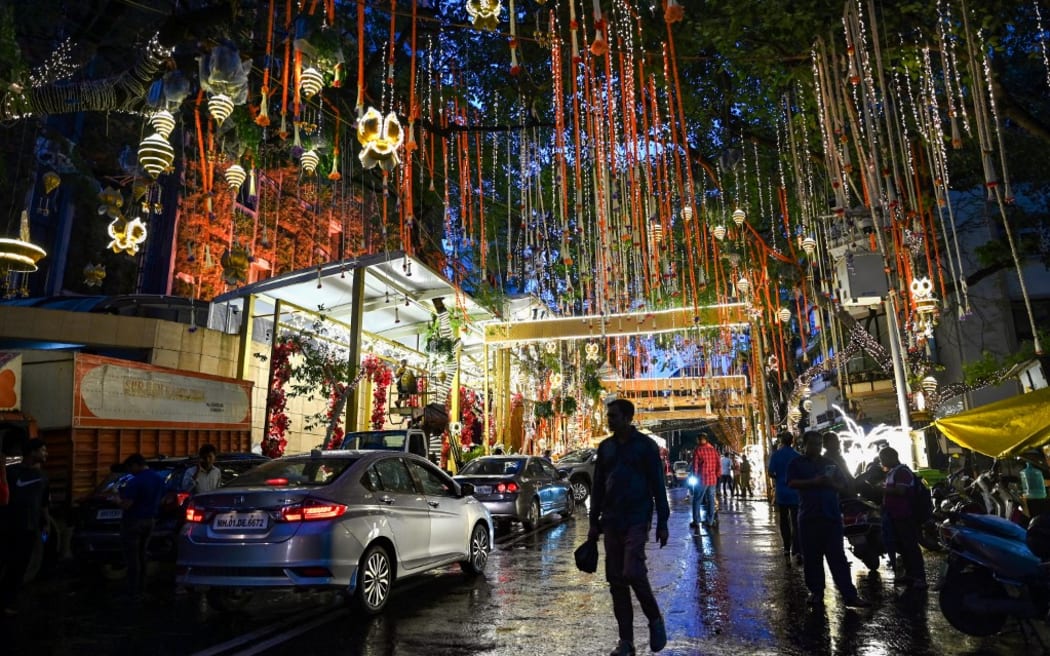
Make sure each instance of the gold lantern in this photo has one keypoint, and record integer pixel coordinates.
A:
(156, 154)
(379, 138)
(484, 14)
(739, 216)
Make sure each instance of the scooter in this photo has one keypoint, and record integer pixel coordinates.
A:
(862, 525)
(991, 574)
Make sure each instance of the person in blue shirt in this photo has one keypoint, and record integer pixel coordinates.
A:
(140, 499)
(628, 486)
(818, 481)
(786, 498)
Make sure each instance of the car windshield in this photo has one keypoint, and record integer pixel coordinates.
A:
(681, 465)
(492, 467)
(294, 472)
(373, 440)
(575, 456)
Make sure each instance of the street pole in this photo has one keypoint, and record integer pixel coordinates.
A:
(900, 381)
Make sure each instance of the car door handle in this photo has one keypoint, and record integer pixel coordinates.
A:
(433, 504)
(388, 500)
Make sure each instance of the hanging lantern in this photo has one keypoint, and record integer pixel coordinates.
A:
(687, 213)
(220, 106)
(309, 161)
(784, 315)
(94, 275)
(929, 384)
(163, 122)
(156, 155)
(743, 285)
(926, 306)
(311, 80)
(656, 231)
(807, 405)
(673, 12)
(809, 245)
(719, 232)
(235, 176)
(484, 14)
(739, 216)
(19, 255)
(379, 138)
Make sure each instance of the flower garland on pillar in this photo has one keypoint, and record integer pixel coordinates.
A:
(274, 442)
(381, 377)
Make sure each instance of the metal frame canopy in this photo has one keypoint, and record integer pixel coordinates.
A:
(396, 305)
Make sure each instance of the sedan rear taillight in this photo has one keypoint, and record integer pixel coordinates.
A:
(312, 509)
(507, 488)
(194, 515)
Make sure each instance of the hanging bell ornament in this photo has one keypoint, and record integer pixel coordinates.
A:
(220, 106)
(929, 384)
(156, 155)
(739, 216)
(743, 285)
(235, 176)
(687, 213)
(809, 245)
(311, 81)
(163, 122)
(784, 315)
(719, 232)
(309, 161)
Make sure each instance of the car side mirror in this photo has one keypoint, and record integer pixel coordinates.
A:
(466, 489)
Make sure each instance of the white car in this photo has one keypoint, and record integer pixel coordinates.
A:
(351, 520)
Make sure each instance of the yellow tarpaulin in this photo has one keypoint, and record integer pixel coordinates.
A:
(1003, 428)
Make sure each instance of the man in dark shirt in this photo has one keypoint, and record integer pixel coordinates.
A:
(818, 481)
(628, 485)
(140, 498)
(22, 521)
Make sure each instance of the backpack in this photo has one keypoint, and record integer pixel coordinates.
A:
(921, 500)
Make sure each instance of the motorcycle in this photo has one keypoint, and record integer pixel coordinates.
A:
(992, 573)
(862, 525)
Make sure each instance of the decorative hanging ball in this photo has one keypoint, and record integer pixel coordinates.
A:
(807, 405)
(163, 122)
(929, 384)
(311, 80)
(784, 315)
(235, 176)
(809, 244)
(739, 216)
(156, 155)
(719, 232)
(220, 106)
(687, 213)
(743, 285)
(309, 161)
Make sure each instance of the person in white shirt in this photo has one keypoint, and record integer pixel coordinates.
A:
(725, 483)
(204, 476)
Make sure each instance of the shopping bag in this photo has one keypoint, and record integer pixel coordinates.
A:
(587, 557)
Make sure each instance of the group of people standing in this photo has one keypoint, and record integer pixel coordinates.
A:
(724, 474)
(808, 486)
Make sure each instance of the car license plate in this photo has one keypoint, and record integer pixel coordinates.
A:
(482, 489)
(109, 513)
(241, 521)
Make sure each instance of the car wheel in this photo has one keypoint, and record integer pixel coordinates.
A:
(477, 551)
(374, 578)
(229, 599)
(581, 489)
(570, 505)
(532, 519)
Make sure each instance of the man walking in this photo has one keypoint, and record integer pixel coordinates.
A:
(725, 484)
(140, 498)
(628, 485)
(707, 468)
(785, 497)
(22, 521)
(896, 508)
(744, 481)
(818, 481)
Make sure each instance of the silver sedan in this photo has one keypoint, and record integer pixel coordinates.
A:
(519, 488)
(350, 520)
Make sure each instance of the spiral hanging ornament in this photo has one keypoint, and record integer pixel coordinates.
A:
(784, 315)
(310, 81)
(687, 213)
(220, 106)
(739, 216)
(929, 384)
(163, 122)
(809, 245)
(719, 232)
(309, 161)
(156, 155)
(743, 285)
(235, 176)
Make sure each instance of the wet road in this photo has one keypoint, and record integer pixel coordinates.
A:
(726, 593)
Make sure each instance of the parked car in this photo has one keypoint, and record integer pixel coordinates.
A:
(681, 472)
(579, 467)
(357, 521)
(519, 488)
(96, 531)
